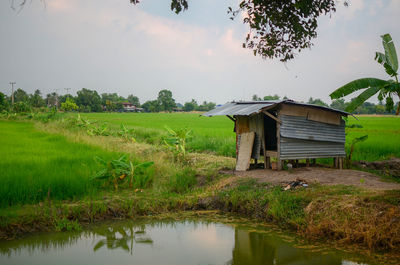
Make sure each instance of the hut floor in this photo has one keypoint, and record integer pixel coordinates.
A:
(325, 176)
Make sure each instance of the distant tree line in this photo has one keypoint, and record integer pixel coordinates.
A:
(340, 104)
(87, 100)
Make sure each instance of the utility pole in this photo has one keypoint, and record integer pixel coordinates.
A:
(67, 89)
(12, 92)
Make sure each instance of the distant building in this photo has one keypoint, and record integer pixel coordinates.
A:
(129, 107)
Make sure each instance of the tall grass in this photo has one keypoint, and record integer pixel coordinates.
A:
(34, 165)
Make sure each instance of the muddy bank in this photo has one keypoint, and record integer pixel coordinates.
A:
(324, 176)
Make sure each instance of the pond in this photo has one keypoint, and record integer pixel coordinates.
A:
(169, 242)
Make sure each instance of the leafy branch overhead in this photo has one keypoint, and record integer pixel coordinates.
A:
(386, 89)
(277, 29)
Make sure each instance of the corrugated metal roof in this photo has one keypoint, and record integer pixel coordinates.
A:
(241, 108)
(250, 107)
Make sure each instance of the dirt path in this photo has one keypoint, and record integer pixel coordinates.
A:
(324, 176)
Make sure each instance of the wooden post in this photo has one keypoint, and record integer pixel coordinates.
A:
(267, 162)
(278, 141)
(314, 161)
(279, 164)
(307, 162)
(340, 163)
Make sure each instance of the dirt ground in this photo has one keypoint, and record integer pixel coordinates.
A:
(326, 176)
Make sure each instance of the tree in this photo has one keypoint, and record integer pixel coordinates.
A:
(274, 97)
(89, 100)
(277, 29)
(386, 89)
(36, 99)
(152, 106)
(190, 106)
(3, 102)
(317, 101)
(69, 105)
(338, 104)
(255, 98)
(20, 96)
(133, 100)
(166, 102)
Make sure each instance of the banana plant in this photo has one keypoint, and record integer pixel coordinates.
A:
(126, 134)
(353, 143)
(118, 171)
(386, 89)
(177, 139)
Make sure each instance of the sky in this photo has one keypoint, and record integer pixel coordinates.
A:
(114, 46)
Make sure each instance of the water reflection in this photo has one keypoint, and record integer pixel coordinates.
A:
(267, 248)
(165, 242)
(119, 237)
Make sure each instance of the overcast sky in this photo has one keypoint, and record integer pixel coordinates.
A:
(114, 46)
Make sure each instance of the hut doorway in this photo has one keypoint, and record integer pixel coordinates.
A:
(271, 142)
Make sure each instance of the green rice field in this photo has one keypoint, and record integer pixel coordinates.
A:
(215, 134)
(34, 163)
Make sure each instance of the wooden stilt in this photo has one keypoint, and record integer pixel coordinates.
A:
(279, 164)
(307, 162)
(341, 163)
(267, 162)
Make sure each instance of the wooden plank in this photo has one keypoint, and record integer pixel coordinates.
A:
(272, 153)
(278, 139)
(324, 116)
(272, 117)
(232, 119)
(293, 110)
(311, 113)
(245, 148)
(242, 124)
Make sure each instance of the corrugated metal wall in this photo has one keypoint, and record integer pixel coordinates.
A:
(302, 138)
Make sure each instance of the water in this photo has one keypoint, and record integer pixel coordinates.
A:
(162, 242)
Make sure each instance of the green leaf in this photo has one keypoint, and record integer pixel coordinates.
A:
(358, 101)
(383, 60)
(144, 165)
(357, 85)
(360, 139)
(390, 51)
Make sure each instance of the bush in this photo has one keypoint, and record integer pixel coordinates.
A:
(21, 107)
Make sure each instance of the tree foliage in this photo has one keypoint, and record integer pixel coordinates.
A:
(386, 89)
(89, 100)
(277, 29)
(166, 102)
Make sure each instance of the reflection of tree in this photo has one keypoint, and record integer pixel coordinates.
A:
(267, 249)
(120, 237)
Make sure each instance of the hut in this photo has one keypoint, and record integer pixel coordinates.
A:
(282, 130)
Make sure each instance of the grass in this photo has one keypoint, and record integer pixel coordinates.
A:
(383, 137)
(216, 134)
(34, 164)
(209, 134)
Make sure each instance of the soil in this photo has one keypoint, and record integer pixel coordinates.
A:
(325, 176)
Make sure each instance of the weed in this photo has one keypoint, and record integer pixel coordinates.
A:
(64, 224)
(182, 181)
